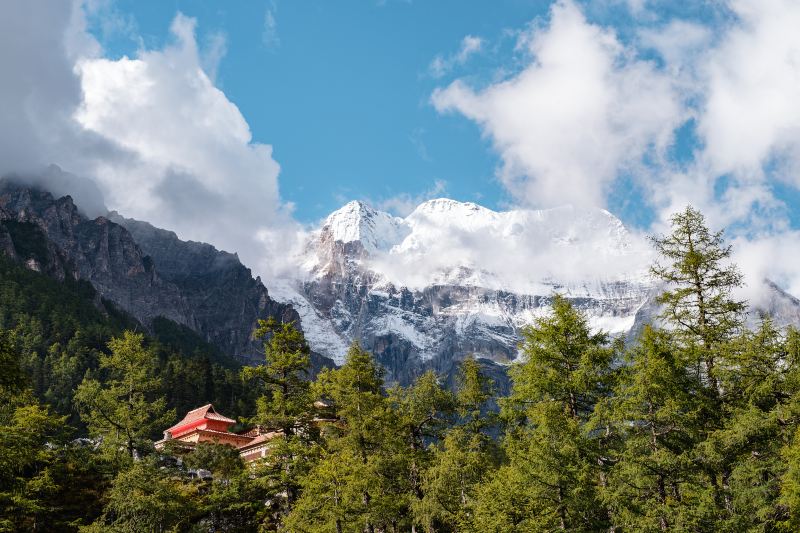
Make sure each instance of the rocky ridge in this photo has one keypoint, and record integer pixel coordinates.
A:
(145, 271)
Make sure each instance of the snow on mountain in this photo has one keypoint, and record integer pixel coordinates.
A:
(375, 230)
(455, 278)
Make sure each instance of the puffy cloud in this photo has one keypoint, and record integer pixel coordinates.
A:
(192, 161)
(586, 110)
(580, 112)
(751, 112)
(159, 139)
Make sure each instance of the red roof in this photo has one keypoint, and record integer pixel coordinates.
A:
(206, 412)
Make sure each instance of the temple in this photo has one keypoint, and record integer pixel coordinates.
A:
(204, 424)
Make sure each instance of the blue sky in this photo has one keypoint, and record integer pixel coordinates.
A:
(341, 89)
(242, 123)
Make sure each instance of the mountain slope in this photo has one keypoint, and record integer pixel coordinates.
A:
(145, 271)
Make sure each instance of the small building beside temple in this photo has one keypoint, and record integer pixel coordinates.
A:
(204, 424)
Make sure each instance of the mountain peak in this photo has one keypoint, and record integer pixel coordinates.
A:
(357, 221)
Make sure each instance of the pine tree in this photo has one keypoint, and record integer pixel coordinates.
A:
(126, 409)
(146, 497)
(758, 385)
(358, 483)
(462, 460)
(424, 410)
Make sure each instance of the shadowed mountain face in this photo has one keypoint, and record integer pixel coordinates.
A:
(146, 271)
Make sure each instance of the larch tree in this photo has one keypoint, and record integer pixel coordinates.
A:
(286, 406)
(124, 405)
(462, 459)
(700, 308)
(657, 410)
(358, 485)
(698, 301)
(555, 462)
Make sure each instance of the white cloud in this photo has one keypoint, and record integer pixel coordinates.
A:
(404, 203)
(442, 65)
(751, 111)
(582, 111)
(216, 46)
(192, 165)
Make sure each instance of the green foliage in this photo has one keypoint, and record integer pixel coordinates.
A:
(698, 301)
(555, 461)
(694, 427)
(657, 411)
(461, 460)
(146, 498)
(224, 462)
(126, 409)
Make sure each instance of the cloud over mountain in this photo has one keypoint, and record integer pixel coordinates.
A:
(162, 142)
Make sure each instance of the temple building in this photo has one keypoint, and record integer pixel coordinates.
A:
(204, 424)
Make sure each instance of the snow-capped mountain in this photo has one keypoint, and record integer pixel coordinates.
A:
(453, 279)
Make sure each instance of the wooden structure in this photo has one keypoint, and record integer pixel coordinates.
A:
(204, 424)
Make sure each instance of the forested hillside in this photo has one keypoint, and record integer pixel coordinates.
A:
(693, 427)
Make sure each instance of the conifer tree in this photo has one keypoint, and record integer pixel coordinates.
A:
(759, 386)
(354, 485)
(700, 308)
(423, 410)
(657, 410)
(462, 460)
(555, 464)
(287, 407)
(698, 300)
(127, 408)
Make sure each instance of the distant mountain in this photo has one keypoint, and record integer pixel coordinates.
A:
(146, 271)
(453, 279)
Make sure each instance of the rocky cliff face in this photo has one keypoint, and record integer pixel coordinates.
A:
(146, 271)
(224, 299)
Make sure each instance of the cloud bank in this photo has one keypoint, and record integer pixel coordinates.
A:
(589, 110)
(580, 112)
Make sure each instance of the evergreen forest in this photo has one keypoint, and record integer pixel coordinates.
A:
(691, 425)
